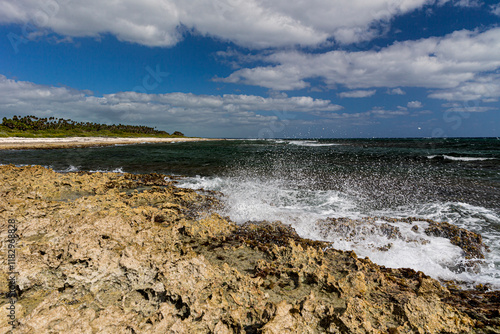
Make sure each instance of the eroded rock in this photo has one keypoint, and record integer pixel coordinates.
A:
(118, 253)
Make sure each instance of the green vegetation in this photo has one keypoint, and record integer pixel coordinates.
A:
(32, 126)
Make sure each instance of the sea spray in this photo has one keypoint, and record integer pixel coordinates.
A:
(255, 199)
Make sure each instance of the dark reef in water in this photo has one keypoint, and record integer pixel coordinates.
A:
(470, 242)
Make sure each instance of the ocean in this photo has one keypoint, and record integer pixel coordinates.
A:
(304, 182)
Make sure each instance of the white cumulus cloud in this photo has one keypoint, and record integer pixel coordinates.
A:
(396, 91)
(414, 104)
(201, 114)
(485, 88)
(251, 23)
(358, 93)
(495, 9)
(465, 107)
(437, 62)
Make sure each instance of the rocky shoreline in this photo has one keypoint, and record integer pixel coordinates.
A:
(125, 253)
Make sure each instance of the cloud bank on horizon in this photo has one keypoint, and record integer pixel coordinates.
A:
(333, 67)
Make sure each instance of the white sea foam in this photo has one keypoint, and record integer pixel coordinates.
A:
(72, 168)
(449, 157)
(311, 143)
(414, 249)
(116, 170)
(272, 199)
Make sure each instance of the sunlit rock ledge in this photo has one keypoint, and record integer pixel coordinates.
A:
(124, 253)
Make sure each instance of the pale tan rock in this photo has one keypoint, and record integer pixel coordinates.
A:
(96, 255)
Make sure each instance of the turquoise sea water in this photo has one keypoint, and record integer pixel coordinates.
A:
(303, 181)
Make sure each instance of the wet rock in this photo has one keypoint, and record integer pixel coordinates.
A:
(264, 234)
(350, 228)
(481, 304)
(470, 242)
(358, 230)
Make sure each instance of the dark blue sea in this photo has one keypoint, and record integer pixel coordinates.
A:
(301, 182)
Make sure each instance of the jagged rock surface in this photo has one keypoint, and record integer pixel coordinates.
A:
(123, 253)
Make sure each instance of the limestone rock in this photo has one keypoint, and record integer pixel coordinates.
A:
(123, 253)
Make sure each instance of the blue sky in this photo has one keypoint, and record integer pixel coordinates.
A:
(257, 69)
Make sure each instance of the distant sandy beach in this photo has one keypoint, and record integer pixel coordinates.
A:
(19, 143)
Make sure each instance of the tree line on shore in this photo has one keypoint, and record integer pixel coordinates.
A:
(33, 123)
